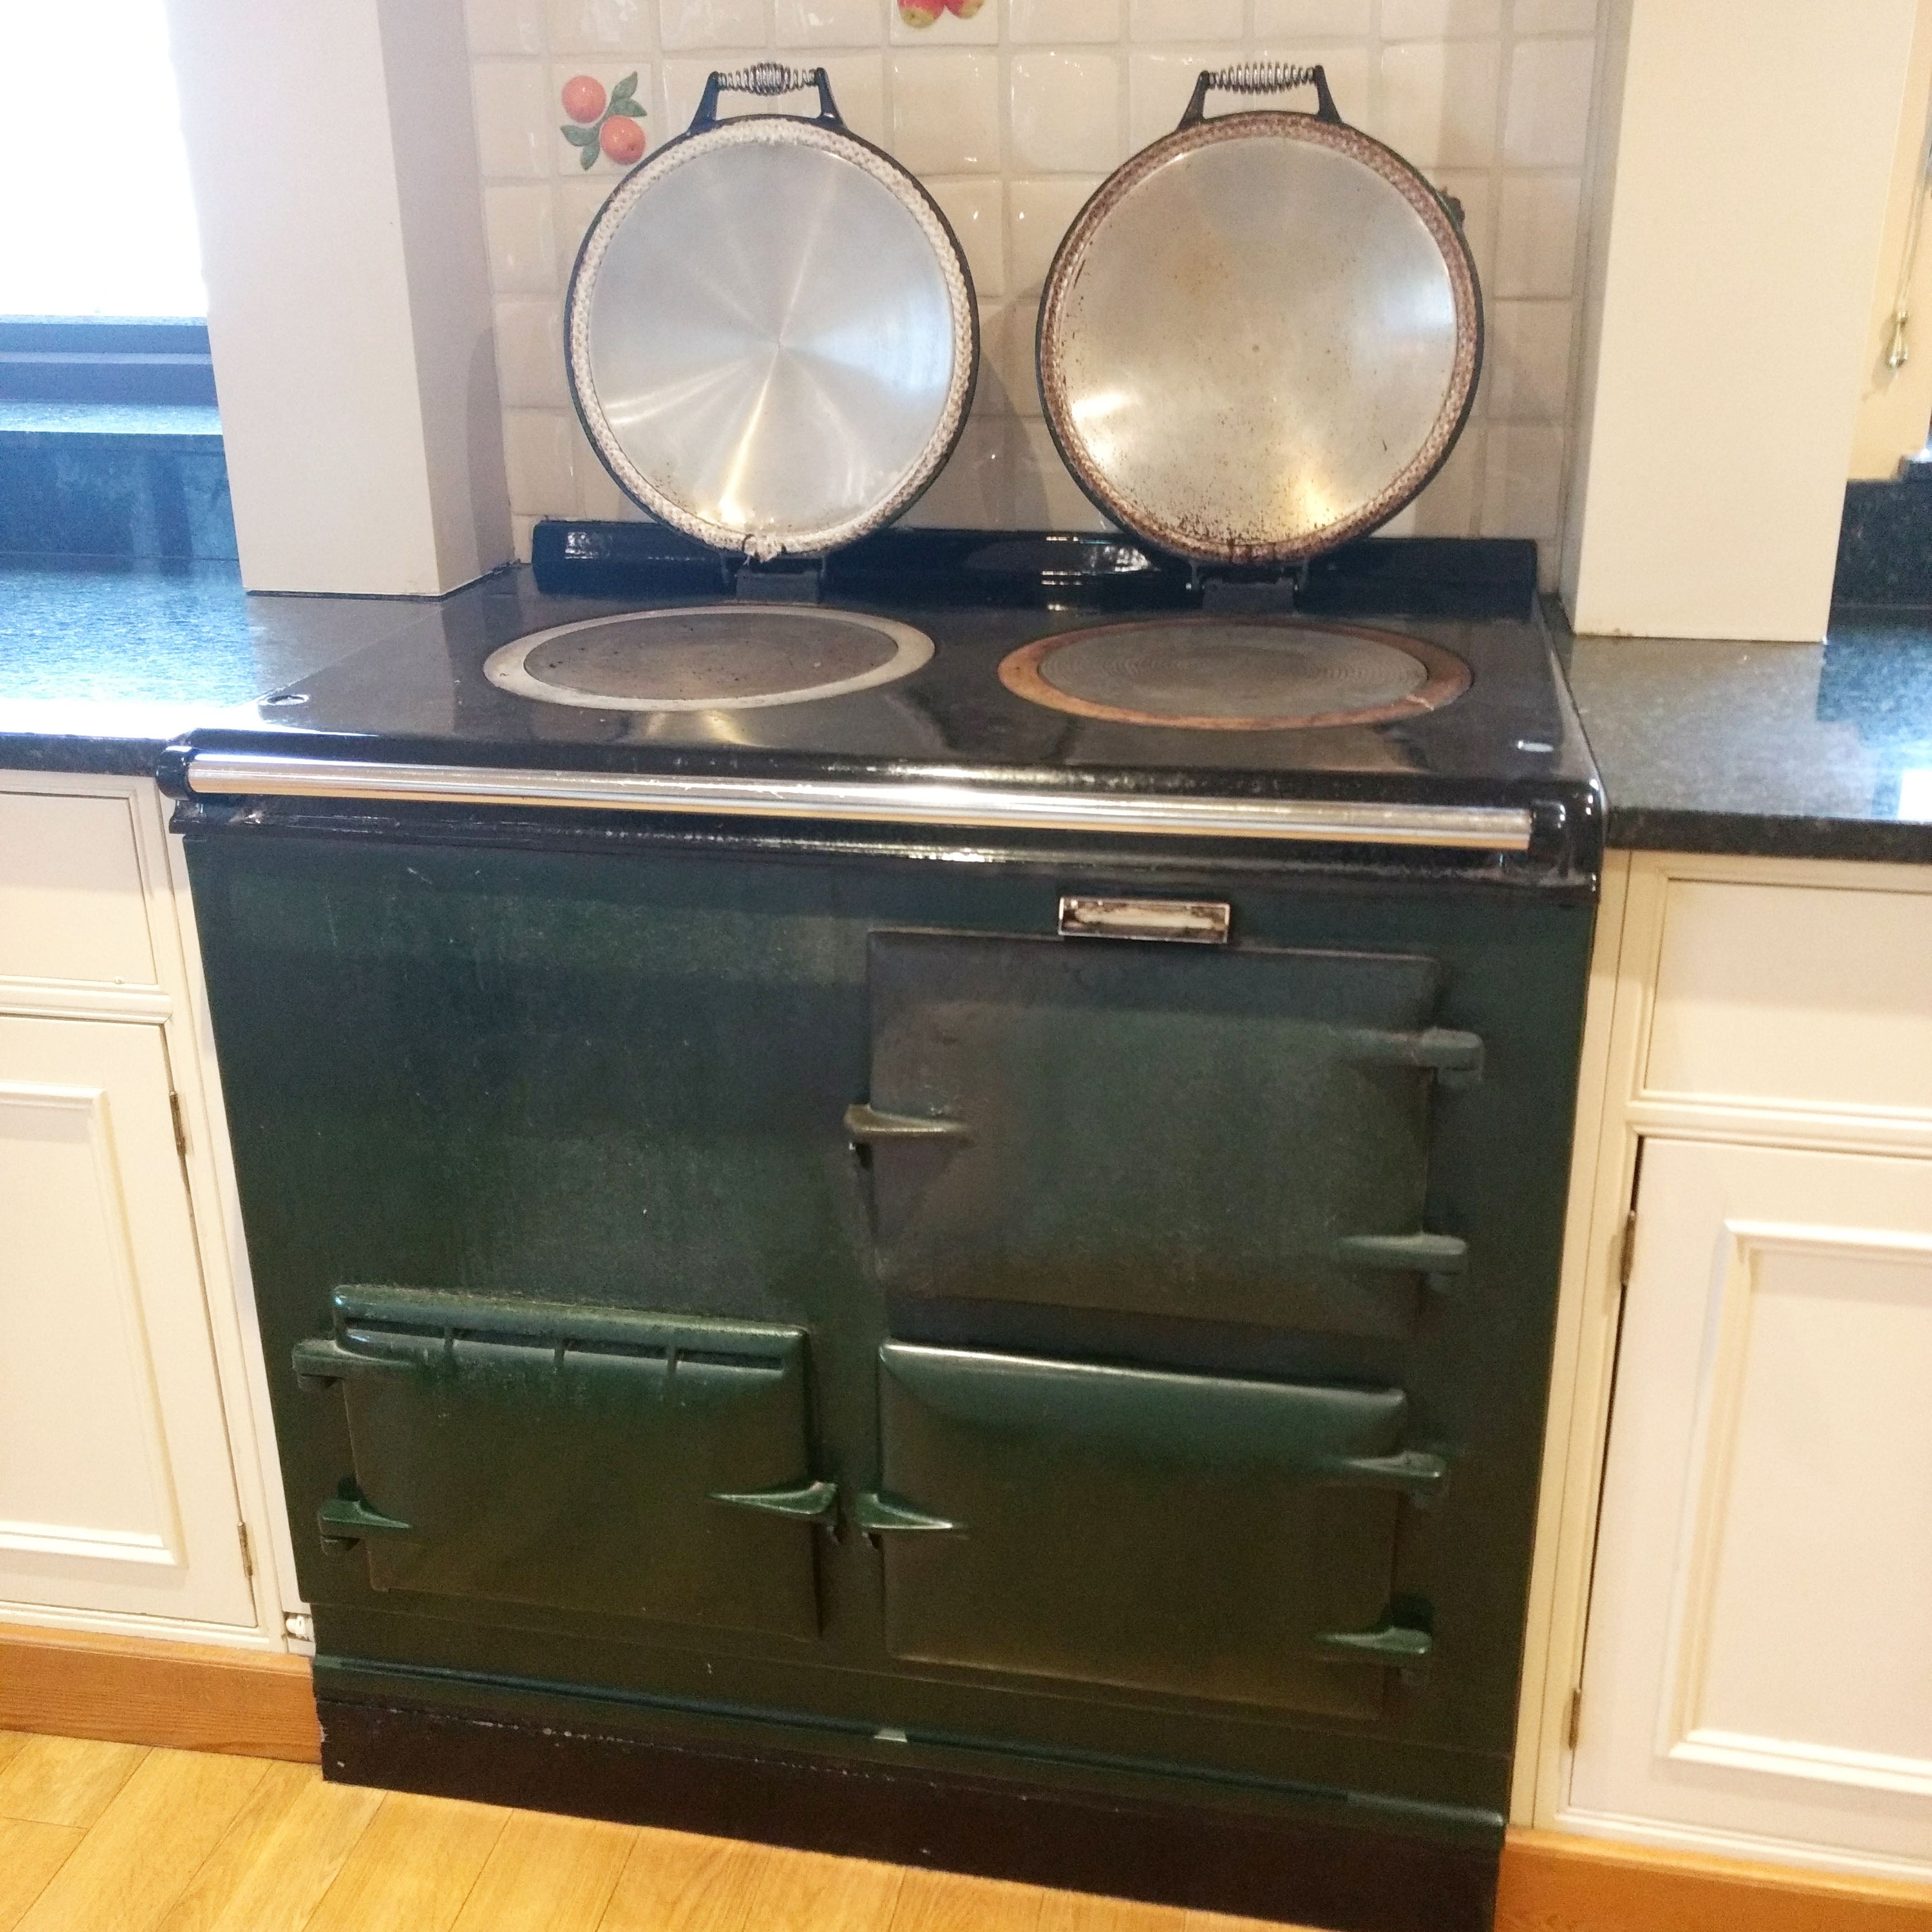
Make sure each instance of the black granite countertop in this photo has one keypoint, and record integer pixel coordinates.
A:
(102, 664)
(1776, 749)
(1796, 751)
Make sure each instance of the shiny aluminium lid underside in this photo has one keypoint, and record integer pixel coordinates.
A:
(771, 334)
(1261, 336)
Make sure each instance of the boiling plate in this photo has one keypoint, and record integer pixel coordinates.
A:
(1236, 674)
(709, 658)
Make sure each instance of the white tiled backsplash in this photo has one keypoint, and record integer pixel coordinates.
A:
(1011, 112)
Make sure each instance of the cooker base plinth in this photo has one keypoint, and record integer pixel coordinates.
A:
(1217, 1855)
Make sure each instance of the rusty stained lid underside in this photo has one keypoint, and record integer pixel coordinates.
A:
(1260, 339)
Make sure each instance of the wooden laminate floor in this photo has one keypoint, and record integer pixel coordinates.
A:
(101, 1837)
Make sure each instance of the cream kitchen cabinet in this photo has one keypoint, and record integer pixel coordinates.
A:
(132, 1495)
(1734, 1570)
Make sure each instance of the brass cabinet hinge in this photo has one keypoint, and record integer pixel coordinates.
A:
(1576, 1723)
(180, 1119)
(1629, 1250)
(247, 1549)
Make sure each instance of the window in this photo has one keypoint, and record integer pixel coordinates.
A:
(96, 216)
(100, 290)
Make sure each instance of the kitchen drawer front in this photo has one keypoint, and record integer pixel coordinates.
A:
(578, 1459)
(1238, 1136)
(1197, 1535)
(1794, 996)
(71, 906)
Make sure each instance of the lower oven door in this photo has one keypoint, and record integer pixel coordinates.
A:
(1238, 1136)
(575, 1458)
(1201, 1535)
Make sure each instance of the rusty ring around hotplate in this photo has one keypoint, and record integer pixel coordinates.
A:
(1448, 678)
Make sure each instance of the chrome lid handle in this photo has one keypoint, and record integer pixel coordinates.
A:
(1262, 77)
(766, 78)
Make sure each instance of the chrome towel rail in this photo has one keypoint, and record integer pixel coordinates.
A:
(892, 802)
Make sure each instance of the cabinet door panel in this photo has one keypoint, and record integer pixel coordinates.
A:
(116, 1493)
(1756, 1659)
(1794, 996)
(70, 905)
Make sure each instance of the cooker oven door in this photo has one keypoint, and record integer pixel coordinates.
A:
(1201, 1535)
(575, 1458)
(1240, 1135)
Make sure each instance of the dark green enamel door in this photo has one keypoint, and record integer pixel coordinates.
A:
(582, 1459)
(1204, 1535)
(1240, 1135)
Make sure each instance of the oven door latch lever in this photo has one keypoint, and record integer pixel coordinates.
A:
(1454, 1057)
(876, 1513)
(344, 1521)
(1440, 1258)
(1419, 1475)
(799, 1502)
(865, 1124)
(321, 1361)
(1395, 1644)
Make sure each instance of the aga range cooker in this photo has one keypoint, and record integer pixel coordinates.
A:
(905, 1194)
(919, 1273)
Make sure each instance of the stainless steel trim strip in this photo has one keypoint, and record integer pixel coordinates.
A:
(1010, 808)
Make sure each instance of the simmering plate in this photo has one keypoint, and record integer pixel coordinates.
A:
(1236, 674)
(709, 658)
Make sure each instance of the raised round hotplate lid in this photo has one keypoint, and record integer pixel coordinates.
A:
(770, 332)
(709, 658)
(1261, 336)
(1236, 674)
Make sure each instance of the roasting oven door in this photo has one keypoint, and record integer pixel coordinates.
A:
(1239, 1136)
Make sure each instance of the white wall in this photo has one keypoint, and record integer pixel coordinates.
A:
(333, 155)
(1895, 406)
(1753, 141)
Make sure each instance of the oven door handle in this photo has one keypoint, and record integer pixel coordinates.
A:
(322, 1362)
(1455, 1057)
(798, 1502)
(865, 1125)
(1440, 1257)
(1415, 1472)
(344, 1521)
(1394, 1644)
(877, 1514)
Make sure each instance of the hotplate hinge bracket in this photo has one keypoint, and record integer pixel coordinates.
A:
(1261, 596)
(788, 580)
